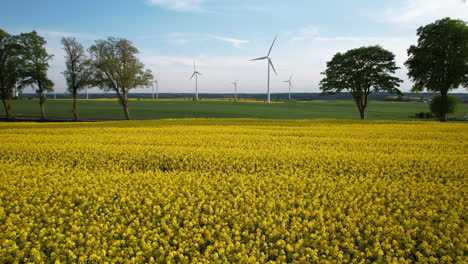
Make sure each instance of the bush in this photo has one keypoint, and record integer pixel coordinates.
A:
(422, 115)
(450, 106)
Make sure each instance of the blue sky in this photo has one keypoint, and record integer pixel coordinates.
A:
(222, 35)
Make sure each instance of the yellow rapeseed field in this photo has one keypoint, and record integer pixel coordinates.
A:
(233, 191)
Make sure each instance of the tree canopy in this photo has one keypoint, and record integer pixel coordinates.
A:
(439, 61)
(116, 68)
(34, 63)
(9, 75)
(361, 71)
(78, 73)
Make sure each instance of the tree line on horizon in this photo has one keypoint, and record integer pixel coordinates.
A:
(437, 63)
(109, 64)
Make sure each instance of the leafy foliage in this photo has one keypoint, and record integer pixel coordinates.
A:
(438, 105)
(79, 72)
(34, 63)
(118, 69)
(361, 71)
(439, 61)
(8, 69)
(229, 191)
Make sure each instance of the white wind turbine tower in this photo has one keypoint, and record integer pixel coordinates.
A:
(290, 85)
(235, 89)
(195, 73)
(268, 58)
(155, 84)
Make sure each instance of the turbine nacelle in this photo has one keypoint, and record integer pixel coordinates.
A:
(195, 72)
(289, 80)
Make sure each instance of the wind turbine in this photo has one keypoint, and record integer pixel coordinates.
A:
(268, 58)
(195, 73)
(155, 83)
(290, 85)
(235, 89)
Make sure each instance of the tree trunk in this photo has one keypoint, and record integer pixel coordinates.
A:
(362, 112)
(443, 117)
(6, 104)
(127, 112)
(75, 109)
(41, 103)
(124, 101)
(443, 105)
(360, 107)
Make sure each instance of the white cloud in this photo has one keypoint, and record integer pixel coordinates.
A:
(233, 41)
(305, 33)
(220, 6)
(218, 73)
(420, 12)
(179, 5)
(179, 38)
(306, 59)
(164, 61)
(60, 34)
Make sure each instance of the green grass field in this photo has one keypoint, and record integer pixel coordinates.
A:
(97, 109)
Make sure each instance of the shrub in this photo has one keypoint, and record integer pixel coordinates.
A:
(448, 106)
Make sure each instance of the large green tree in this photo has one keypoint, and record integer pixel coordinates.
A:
(117, 69)
(361, 71)
(439, 61)
(8, 69)
(34, 65)
(78, 73)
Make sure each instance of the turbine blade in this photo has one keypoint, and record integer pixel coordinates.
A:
(272, 46)
(193, 75)
(273, 67)
(291, 77)
(262, 58)
(194, 68)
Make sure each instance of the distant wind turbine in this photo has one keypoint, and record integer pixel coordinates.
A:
(268, 58)
(155, 84)
(195, 73)
(290, 85)
(235, 89)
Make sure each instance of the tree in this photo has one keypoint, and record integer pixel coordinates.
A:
(116, 68)
(34, 64)
(8, 69)
(439, 61)
(361, 71)
(450, 105)
(78, 72)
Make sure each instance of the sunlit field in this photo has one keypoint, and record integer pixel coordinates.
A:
(105, 109)
(233, 191)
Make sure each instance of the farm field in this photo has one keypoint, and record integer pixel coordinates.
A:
(233, 191)
(111, 109)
